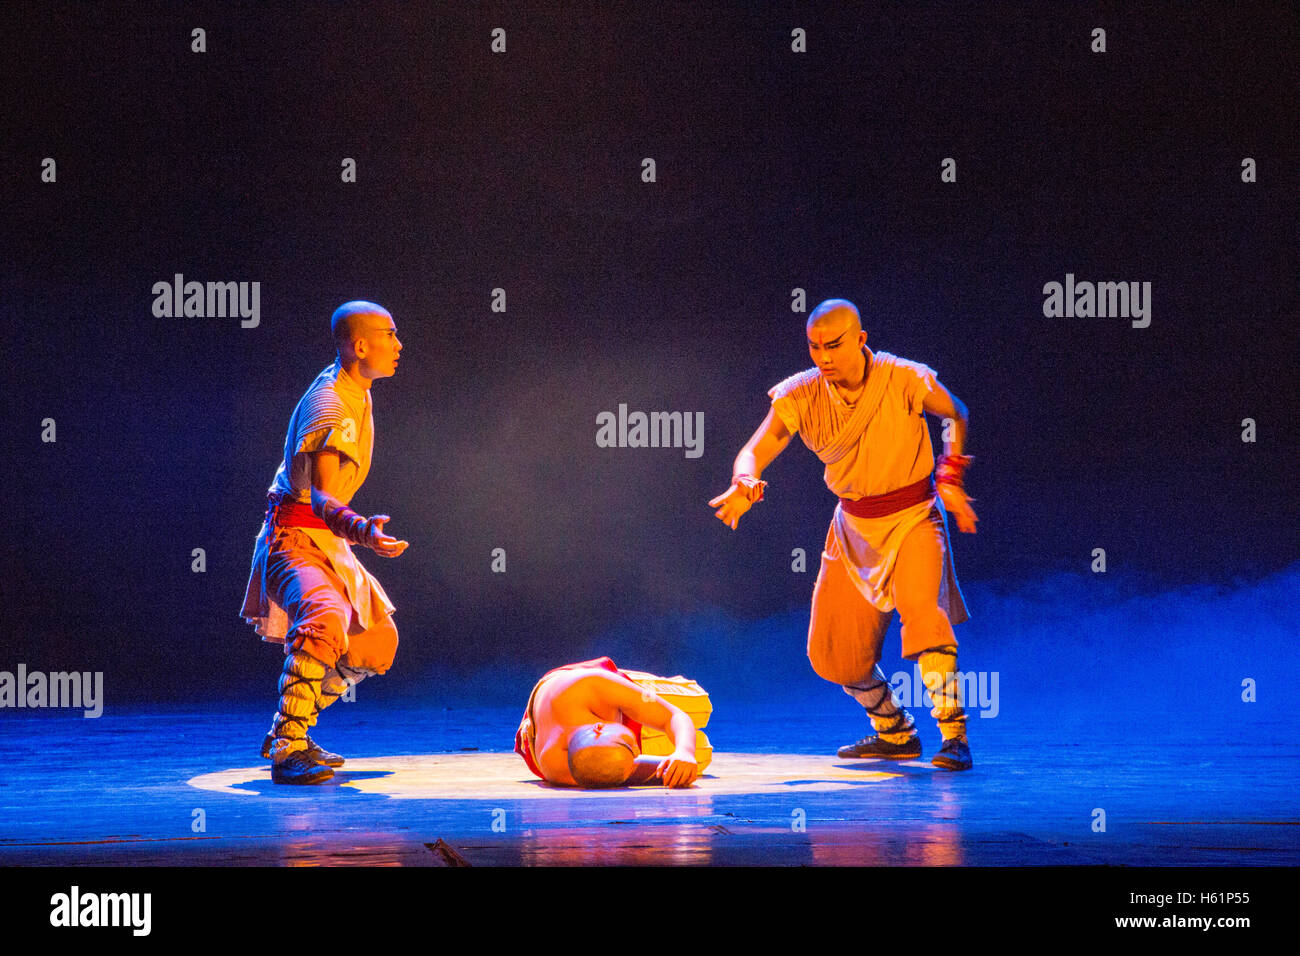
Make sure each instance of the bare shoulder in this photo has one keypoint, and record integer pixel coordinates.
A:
(578, 688)
(592, 685)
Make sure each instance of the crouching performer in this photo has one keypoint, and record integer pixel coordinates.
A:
(887, 548)
(307, 590)
(592, 725)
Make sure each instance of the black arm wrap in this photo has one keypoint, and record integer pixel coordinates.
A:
(341, 519)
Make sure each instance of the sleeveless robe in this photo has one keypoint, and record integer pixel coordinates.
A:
(335, 414)
(878, 445)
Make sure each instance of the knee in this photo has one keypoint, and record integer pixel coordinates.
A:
(925, 629)
(915, 602)
(372, 651)
(385, 636)
(924, 617)
(324, 638)
(840, 666)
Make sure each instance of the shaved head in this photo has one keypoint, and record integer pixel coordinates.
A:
(350, 321)
(601, 758)
(834, 317)
(837, 343)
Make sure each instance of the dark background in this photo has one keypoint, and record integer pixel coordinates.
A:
(521, 170)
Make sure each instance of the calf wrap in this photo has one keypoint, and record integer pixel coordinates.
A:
(299, 691)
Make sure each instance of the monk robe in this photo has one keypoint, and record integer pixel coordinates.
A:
(343, 597)
(880, 446)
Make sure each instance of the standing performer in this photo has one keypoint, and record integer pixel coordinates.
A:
(307, 590)
(887, 547)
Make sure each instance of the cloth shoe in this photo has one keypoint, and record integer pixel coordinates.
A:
(953, 755)
(300, 768)
(875, 747)
(314, 750)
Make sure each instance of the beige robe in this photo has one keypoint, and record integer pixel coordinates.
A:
(892, 451)
(336, 414)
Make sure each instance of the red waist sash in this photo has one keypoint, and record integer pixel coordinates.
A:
(291, 514)
(877, 506)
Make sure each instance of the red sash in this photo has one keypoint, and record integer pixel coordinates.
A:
(877, 506)
(291, 514)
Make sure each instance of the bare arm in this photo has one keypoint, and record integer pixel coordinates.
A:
(763, 446)
(760, 451)
(324, 488)
(679, 768)
(945, 404)
(325, 472)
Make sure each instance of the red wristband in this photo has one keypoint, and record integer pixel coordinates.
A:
(951, 470)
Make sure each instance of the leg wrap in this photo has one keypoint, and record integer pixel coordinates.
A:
(299, 691)
(353, 675)
(943, 681)
(890, 719)
(333, 686)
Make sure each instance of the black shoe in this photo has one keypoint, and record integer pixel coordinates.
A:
(300, 768)
(953, 755)
(875, 747)
(314, 750)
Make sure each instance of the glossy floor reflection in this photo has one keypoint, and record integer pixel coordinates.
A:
(132, 788)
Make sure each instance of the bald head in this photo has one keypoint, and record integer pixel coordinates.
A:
(836, 342)
(601, 755)
(834, 317)
(353, 320)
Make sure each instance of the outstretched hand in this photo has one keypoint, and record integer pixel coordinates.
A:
(734, 503)
(957, 502)
(382, 544)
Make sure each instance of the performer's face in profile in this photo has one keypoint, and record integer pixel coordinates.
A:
(380, 347)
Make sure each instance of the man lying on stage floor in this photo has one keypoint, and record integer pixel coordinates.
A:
(592, 725)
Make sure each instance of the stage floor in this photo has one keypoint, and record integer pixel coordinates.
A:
(437, 787)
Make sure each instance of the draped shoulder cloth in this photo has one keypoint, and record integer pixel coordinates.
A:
(806, 398)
